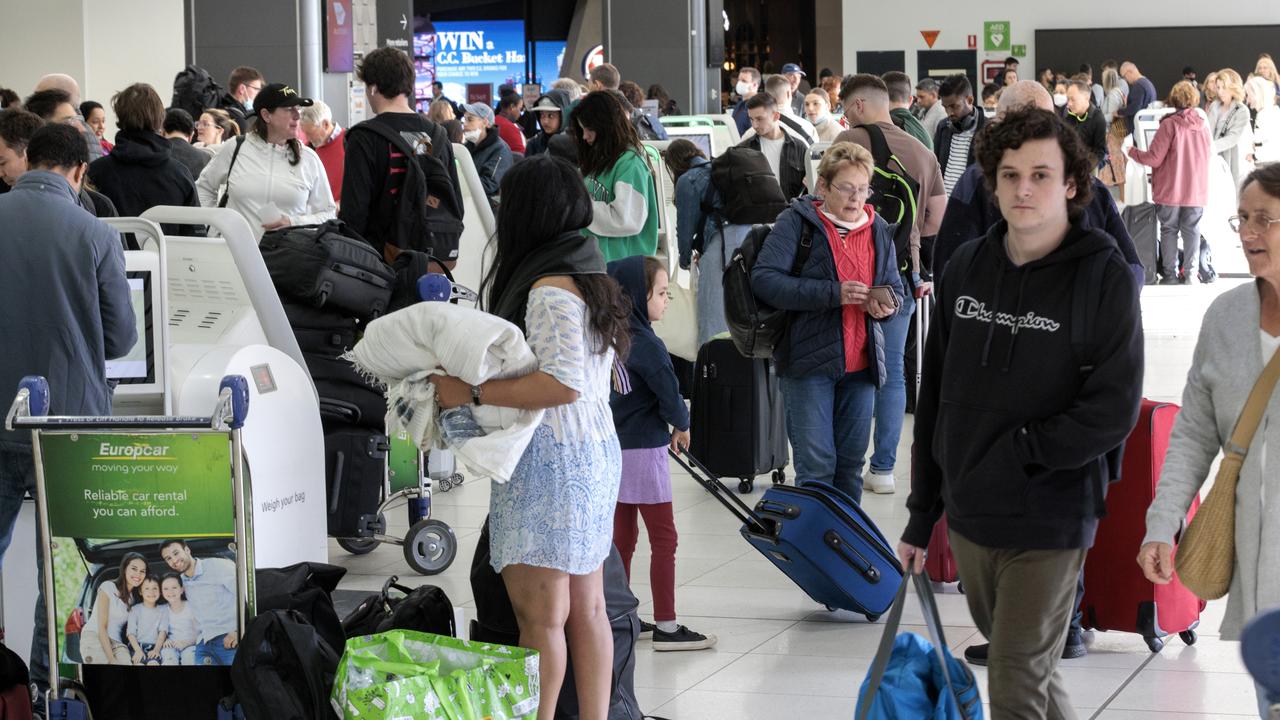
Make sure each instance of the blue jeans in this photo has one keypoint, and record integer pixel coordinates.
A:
(17, 478)
(829, 424)
(211, 652)
(891, 398)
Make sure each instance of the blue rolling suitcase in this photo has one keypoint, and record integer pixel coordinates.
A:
(819, 537)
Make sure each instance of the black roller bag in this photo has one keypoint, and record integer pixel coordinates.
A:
(355, 466)
(496, 623)
(328, 266)
(739, 424)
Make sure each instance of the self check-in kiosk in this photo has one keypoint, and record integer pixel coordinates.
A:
(205, 308)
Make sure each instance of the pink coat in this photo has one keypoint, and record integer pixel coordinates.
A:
(1179, 160)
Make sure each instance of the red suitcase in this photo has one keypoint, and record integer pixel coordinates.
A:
(939, 563)
(1117, 595)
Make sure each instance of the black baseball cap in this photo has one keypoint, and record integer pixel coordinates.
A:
(279, 95)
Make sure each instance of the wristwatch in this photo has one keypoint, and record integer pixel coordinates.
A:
(476, 392)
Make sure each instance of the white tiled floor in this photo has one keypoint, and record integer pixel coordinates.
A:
(781, 656)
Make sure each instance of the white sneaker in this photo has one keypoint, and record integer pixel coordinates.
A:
(881, 484)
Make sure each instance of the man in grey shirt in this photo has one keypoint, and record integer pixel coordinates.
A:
(62, 282)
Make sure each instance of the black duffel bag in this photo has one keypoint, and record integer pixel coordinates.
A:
(328, 266)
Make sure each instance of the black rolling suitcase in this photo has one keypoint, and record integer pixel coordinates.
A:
(355, 466)
(1144, 228)
(328, 266)
(739, 426)
(345, 396)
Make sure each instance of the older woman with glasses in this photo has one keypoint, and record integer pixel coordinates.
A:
(1239, 336)
(833, 358)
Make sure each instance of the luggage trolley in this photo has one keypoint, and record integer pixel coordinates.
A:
(138, 480)
(430, 545)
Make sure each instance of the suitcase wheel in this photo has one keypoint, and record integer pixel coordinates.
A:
(746, 485)
(1156, 644)
(430, 546)
(1188, 636)
(779, 477)
(872, 617)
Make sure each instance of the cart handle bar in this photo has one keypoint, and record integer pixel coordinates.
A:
(31, 404)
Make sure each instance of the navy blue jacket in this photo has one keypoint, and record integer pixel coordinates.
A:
(644, 417)
(971, 212)
(814, 344)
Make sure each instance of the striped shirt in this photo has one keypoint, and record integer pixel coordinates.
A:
(958, 160)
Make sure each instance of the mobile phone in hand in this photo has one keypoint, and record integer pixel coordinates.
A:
(885, 295)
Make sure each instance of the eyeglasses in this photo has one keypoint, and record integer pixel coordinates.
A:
(205, 125)
(1257, 224)
(256, 88)
(851, 191)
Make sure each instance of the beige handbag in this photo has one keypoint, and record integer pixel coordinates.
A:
(1207, 555)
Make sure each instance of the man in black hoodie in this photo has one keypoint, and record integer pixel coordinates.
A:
(1032, 378)
(549, 110)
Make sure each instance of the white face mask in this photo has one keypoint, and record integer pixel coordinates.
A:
(742, 87)
(1059, 99)
(471, 135)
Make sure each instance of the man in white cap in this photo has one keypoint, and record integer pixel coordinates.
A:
(492, 157)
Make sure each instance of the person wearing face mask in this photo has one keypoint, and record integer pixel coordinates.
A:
(991, 98)
(817, 109)
(832, 360)
(1060, 98)
(953, 142)
(746, 88)
(492, 157)
(271, 178)
(243, 85)
(1086, 118)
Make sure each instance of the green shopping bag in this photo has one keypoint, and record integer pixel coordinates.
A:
(404, 674)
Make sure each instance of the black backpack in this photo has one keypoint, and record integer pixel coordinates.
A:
(194, 90)
(429, 207)
(757, 328)
(283, 669)
(426, 609)
(306, 587)
(496, 623)
(894, 195)
(749, 191)
(328, 266)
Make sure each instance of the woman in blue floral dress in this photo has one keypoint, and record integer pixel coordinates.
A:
(551, 525)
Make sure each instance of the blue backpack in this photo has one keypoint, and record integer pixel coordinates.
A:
(913, 678)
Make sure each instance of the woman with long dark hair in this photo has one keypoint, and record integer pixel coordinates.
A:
(617, 170)
(270, 177)
(551, 525)
(111, 613)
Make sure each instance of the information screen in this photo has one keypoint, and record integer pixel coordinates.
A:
(482, 51)
(139, 365)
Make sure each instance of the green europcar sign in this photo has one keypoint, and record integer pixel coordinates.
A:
(138, 486)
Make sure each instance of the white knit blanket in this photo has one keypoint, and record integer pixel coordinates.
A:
(402, 349)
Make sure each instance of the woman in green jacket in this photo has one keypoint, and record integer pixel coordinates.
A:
(618, 176)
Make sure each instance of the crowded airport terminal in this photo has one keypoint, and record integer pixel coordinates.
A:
(620, 360)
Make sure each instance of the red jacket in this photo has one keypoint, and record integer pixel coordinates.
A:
(1179, 160)
(333, 155)
(510, 134)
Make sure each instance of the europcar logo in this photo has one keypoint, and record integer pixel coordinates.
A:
(137, 451)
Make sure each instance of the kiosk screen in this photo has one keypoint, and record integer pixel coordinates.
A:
(139, 365)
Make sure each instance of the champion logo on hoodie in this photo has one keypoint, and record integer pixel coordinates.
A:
(969, 308)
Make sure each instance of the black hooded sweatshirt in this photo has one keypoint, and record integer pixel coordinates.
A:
(140, 173)
(1011, 430)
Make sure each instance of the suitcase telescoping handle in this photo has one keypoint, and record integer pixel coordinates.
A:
(708, 480)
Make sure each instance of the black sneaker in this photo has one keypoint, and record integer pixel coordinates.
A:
(682, 639)
(977, 654)
(646, 630)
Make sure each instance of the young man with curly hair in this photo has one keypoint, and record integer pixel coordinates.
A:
(1027, 391)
